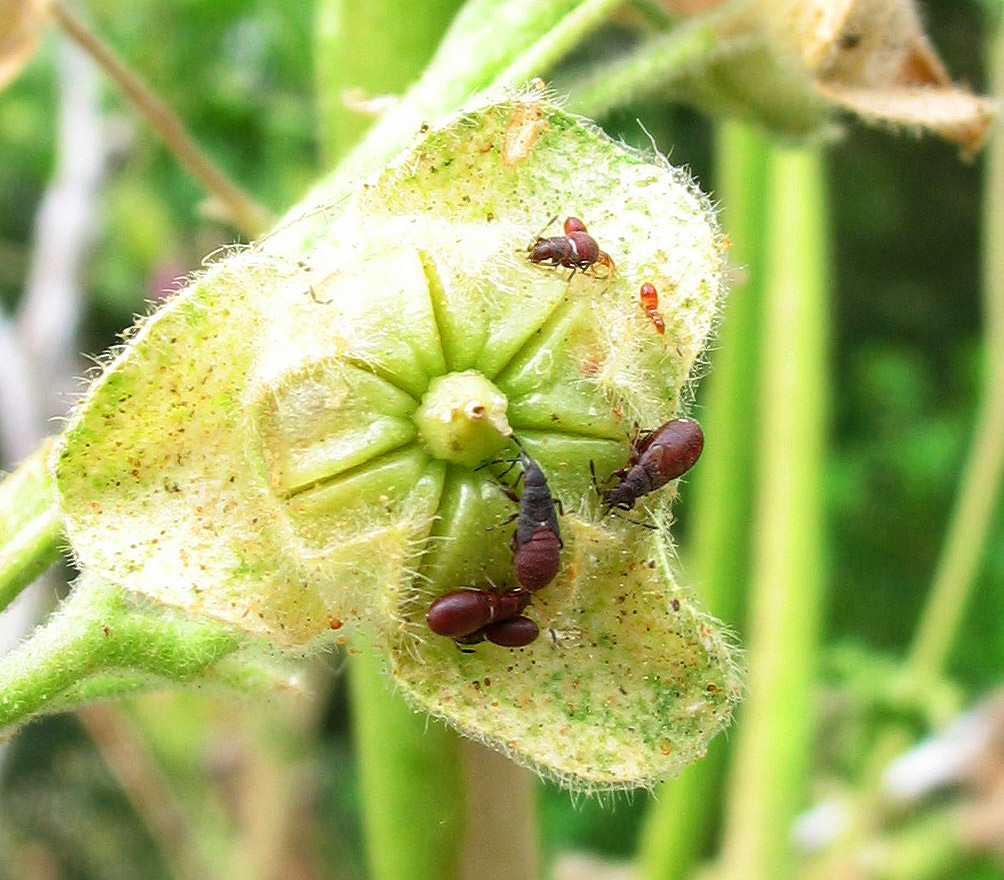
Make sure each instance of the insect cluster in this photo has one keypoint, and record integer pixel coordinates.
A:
(471, 615)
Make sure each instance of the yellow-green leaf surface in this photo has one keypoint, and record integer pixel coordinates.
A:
(293, 444)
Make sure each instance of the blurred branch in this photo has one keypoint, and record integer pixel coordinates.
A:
(487, 854)
(38, 346)
(136, 772)
(247, 215)
(981, 480)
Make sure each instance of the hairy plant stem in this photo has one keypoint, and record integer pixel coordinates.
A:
(979, 491)
(246, 214)
(30, 525)
(679, 824)
(95, 631)
(655, 64)
(555, 43)
(772, 745)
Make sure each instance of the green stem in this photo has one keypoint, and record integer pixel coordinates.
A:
(980, 488)
(772, 746)
(556, 43)
(485, 39)
(412, 781)
(93, 634)
(678, 826)
(348, 59)
(654, 64)
(30, 525)
(488, 854)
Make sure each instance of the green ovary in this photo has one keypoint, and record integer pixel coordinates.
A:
(462, 418)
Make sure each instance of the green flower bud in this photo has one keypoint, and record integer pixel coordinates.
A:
(293, 445)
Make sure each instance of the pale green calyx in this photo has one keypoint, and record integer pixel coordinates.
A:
(462, 418)
(293, 444)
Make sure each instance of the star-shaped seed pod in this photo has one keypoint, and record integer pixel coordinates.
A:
(310, 440)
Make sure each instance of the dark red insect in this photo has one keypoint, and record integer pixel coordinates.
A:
(666, 453)
(517, 632)
(466, 611)
(576, 249)
(536, 543)
(650, 303)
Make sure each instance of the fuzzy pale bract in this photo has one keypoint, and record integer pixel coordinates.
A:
(292, 444)
(790, 63)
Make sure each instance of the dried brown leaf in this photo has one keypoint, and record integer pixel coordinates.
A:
(956, 115)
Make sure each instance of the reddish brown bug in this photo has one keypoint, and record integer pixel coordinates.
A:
(666, 453)
(536, 543)
(462, 612)
(517, 632)
(650, 303)
(576, 249)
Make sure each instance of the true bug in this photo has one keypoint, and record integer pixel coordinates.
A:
(462, 612)
(536, 543)
(666, 453)
(516, 632)
(649, 297)
(576, 249)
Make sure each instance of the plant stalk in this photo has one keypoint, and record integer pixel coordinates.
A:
(30, 525)
(772, 746)
(569, 31)
(95, 632)
(655, 64)
(412, 781)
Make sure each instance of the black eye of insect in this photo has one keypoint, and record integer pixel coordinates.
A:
(662, 455)
(536, 543)
(576, 249)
